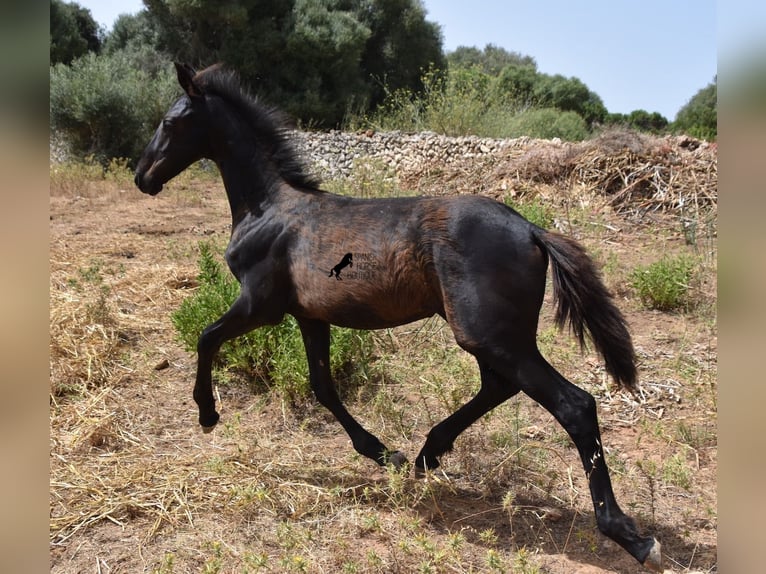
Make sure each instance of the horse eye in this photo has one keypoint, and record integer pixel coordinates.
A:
(167, 124)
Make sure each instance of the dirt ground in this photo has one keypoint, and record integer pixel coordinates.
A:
(136, 487)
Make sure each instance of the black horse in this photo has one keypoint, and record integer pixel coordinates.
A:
(347, 261)
(473, 261)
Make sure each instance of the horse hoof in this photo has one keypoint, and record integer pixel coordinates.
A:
(653, 560)
(208, 422)
(397, 459)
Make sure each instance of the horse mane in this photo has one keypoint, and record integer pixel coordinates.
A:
(271, 125)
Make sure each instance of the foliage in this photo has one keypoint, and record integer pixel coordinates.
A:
(468, 101)
(515, 85)
(402, 44)
(73, 32)
(270, 356)
(447, 104)
(492, 59)
(569, 95)
(325, 47)
(699, 117)
(456, 103)
(477, 99)
(664, 285)
(536, 211)
(108, 106)
(548, 123)
(325, 63)
(316, 59)
(132, 32)
(640, 120)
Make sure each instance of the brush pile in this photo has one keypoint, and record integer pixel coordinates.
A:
(635, 173)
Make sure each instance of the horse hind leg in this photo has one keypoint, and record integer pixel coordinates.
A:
(575, 410)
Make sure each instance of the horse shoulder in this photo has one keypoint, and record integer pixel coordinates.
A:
(256, 247)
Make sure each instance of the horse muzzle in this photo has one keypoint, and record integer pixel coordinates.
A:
(146, 183)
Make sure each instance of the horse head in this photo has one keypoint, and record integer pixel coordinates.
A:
(179, 140)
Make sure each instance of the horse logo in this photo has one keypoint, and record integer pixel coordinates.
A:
(347, 261)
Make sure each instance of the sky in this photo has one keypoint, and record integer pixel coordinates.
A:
(652, 55)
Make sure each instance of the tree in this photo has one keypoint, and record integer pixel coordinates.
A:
(699, 117)
(492, 59)
(516, 86)
(313, 58)
(325, 48)
(73, 32)
(401, 47)
(570, 94)
(108, 105)
(639, 120)
(548, 123)
(646, 122)
(131, 30)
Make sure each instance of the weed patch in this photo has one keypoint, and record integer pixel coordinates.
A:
(665, 284)
(89, 178)
(534, 211)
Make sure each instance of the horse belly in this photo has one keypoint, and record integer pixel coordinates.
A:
(366, 295)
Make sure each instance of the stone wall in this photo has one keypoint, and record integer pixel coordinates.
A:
(333, 154)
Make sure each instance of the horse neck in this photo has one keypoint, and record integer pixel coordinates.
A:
(250, 181)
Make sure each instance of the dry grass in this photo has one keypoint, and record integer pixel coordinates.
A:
(135, 487)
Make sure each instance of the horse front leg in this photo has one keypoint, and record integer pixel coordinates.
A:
(237, 321)
(316, 339)
(494, 391)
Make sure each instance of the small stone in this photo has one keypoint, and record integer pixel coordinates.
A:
(163, 364)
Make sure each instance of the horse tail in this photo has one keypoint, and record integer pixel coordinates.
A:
(583, 301)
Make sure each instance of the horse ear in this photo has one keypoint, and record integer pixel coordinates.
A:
(186, 78)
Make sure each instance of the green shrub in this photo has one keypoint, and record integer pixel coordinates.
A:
(699, 117)
(471, 101)
(548, 123)
(461, 102)
(108, 105)
(271, 356)
(664, 285)
(457, 104)
(533, 211)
